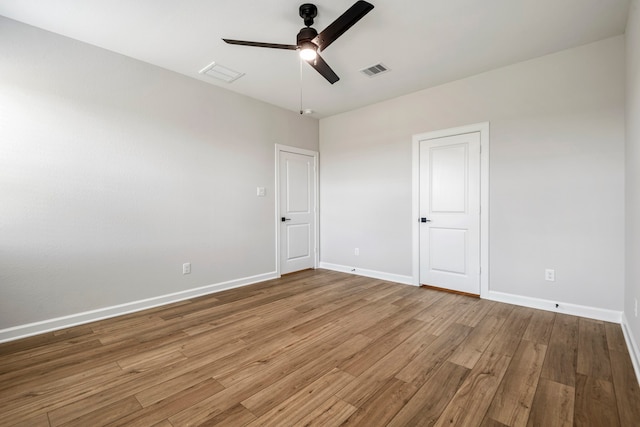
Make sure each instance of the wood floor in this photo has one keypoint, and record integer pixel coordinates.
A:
(320, 348)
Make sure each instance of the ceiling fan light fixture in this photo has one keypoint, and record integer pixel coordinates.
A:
(309, 41)
(308, 51)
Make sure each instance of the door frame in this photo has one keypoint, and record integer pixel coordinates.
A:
(286, 148)
(483, 128)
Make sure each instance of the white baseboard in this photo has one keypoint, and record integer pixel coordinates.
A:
(389, 277)
(632, 345)
(565, 308)
(23, 331)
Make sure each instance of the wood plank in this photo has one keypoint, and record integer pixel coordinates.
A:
(483, 380)
(288, 358)
(332, 412)
(237, 415)
(38, 421)
(595, 403)
(626, 387)
(376, 350)
(489, 422)
(46, 397)
(448, 310)
(59, 369)
(379, 373)
(513, 400)
(552, 405)
(406, 313)
(236, 392)
(43, 340)
(48, 353)
(106, 414)
(615, 337)
(418, 370)
(476, 312)
(426, 405)
(281, 389)
(380, 408)
(330, 316)
(162, 390)
(561, 360)
(508, 338)
(540, 327)
(171, 405)
(593, 351)
(129, 383)
(471, 349)
(305, 401)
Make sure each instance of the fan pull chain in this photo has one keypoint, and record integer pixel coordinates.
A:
(301, 111)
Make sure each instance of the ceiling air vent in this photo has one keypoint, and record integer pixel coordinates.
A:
(375, 70)
(220, 72)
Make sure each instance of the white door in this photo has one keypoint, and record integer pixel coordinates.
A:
(297, 212)
(450, 212)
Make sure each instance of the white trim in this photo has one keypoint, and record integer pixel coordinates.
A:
(632, 345)
(565, 308)
(483, 128)
(286, 148)
(23, 331)
(389, 277)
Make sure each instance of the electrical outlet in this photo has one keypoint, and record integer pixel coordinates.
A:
(186, 268)
(356, 251)
(550, 275)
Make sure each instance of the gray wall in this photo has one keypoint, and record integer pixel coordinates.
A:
(632, 288)
(114, 172)
(556, 174)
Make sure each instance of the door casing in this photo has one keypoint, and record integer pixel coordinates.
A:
(278, 149)
(483, 129)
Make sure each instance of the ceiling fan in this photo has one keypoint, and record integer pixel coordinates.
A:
(309, 42)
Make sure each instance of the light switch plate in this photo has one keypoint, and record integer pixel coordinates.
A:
(261, 192)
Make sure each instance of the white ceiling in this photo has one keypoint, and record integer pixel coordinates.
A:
(423, 42)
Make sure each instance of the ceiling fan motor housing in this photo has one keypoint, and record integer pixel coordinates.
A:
(306, 35)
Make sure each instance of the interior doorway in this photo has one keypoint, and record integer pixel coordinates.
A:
(450, 200)
(296, 209)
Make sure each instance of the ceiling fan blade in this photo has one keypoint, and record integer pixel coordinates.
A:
(259, 44)
(342, 24)
(323, 68)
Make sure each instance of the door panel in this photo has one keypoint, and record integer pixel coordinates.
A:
(450, 205)
(448, 187)
(448, 250)
(298, 241)
(297, 207)
(297, 186)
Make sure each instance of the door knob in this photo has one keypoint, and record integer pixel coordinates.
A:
(423, 219)
(283, 219)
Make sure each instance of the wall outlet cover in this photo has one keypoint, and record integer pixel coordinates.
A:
(550, 275)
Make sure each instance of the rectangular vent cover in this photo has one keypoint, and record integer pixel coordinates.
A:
(375, 70)
(221, 72)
